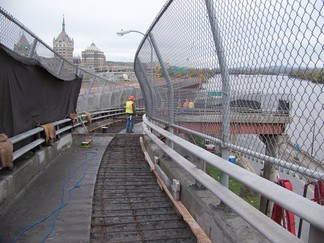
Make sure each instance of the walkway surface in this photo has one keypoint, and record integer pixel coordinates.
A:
(128, 204)
(58, 205)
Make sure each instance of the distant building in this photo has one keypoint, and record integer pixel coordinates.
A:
(94, 59)
(63, 44)
(77, 61)
(23, 46)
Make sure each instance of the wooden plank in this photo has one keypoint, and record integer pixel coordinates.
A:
(196, 229)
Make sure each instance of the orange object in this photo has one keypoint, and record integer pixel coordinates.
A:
(279, 213)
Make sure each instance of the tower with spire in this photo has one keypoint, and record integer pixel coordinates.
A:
(63, 44)
(22, 47)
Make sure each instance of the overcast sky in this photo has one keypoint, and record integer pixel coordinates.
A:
(88, 21)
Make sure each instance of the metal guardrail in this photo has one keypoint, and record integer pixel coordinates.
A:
(62, 126)
(279, 162)
(196, 37)
(20, 137)
(304, 208)
(260, 59)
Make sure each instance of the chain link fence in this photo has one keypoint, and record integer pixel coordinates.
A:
(97, 92)
(246, 76)
(247, 73)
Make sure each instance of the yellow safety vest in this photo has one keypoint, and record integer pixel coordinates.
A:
(129, 107)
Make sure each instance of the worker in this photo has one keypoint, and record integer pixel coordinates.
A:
(191, 104)
(186, 104)
(130, 112)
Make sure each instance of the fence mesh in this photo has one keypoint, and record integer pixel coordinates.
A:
(262, 58)
(97, 92)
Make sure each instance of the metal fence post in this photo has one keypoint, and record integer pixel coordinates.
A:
(101, 93)
(87, 95)
(169, 83)
(121, 96)
(150, 104)
(269, 170)
(151, 84)
(112, 94)
(32, 49)
(225, 82)
(60, 67)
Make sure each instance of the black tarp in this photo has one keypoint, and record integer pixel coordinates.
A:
(31, 95)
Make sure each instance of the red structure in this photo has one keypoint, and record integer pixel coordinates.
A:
(318, 197)
(281, 215)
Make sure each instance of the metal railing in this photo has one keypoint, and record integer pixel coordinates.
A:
(240, 59)
(253, 71)
(305, 209)
(35, 138)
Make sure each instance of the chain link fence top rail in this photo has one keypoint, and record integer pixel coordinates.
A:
(97, 92)
(267, 64)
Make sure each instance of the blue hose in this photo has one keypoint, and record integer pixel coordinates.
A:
(63, 201)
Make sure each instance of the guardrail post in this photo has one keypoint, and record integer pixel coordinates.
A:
(38, 136)
(57, 127)
(315, 234)
(225, 83)
(169, 83)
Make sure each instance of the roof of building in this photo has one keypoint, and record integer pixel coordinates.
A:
(63, 36)
(92, 47)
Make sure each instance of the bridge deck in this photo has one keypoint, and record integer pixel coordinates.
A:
(58, 205)
(241, 123)
(128, 204)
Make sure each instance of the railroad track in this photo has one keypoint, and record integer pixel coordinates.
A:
(128, 204)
